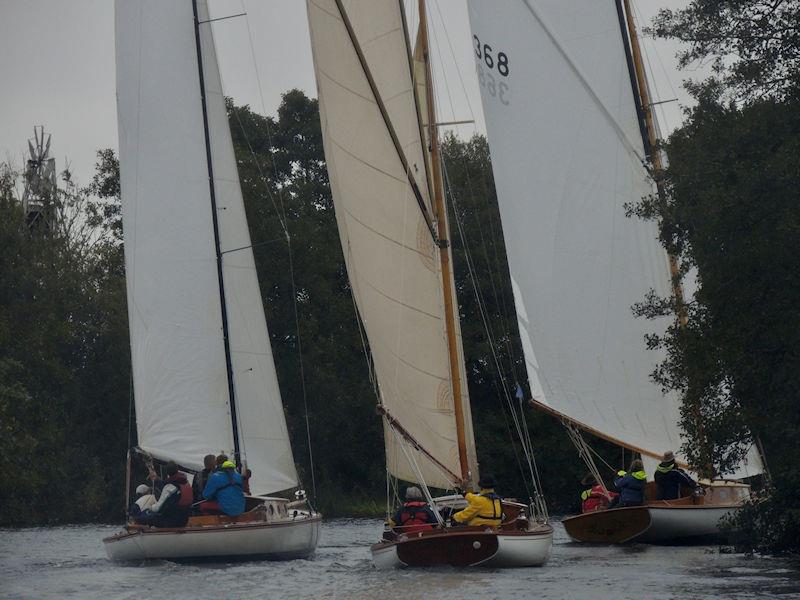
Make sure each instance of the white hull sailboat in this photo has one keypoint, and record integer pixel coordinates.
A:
(280, 538)
(375, 101)
(203, 373)
(572, 132)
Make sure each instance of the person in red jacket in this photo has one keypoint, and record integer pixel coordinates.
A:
(595, 497)
(414, 514)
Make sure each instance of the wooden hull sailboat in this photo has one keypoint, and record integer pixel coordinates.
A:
(465, 547)
(283, 535)
(574, 140)
(376, 97)
(204, 378)
(516, 543)
(687, 520)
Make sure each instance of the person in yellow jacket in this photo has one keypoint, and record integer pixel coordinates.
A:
(484, 508)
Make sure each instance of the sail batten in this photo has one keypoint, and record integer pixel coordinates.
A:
(390, 253)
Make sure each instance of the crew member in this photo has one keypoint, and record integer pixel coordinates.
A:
(225, 488)
(631, 486)
(484, 508)
(174, 504)
(200, 480)
(595, 497)
(669, 478)
(414, 514)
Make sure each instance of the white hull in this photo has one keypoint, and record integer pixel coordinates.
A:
(684, 524)
(281, 540)
(512, 551)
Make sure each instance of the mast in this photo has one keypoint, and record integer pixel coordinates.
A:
(658, 167)
(651, 141)
(444, 251)
(223, 305)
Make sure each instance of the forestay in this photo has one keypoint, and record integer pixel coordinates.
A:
(567, 156)
(179, 364)
(392, 260)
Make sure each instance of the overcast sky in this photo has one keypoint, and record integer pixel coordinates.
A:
(57, 68)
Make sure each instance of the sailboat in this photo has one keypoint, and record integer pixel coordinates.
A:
(572, 132)
(203, 372)
(386, 180)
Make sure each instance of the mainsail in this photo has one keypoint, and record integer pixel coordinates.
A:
(174, 136)
(567, 155)
(377, 167)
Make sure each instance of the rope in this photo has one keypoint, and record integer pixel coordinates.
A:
(418, 472)
(585, 452)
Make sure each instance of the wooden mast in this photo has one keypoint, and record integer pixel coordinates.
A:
(658, 167)
(655, 156)
(437, 192)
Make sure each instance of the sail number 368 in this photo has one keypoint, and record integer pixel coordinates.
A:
(485, 52)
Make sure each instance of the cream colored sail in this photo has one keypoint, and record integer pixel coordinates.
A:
(391, 257)
(183, 406)
(567, 155)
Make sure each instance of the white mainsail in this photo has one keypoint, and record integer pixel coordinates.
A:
(392, 260)
(567, 156)
(183, 409)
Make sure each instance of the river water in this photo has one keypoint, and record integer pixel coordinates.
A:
(69, 562)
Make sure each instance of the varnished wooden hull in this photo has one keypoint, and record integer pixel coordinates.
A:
(466, 547)
(650, 524)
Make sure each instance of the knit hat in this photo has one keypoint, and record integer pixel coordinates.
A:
(413, 493)
(669, 456)
(636, 465)
(487, 481)
(142, 489)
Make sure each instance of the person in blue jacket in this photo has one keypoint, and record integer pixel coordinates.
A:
(225, 488)
(630, 486)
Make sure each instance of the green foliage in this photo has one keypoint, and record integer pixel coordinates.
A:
(63, 369)
(754, 45)
(731, 211)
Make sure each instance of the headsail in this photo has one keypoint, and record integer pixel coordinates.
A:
(183, 406)
(567, 156)
(366, 97)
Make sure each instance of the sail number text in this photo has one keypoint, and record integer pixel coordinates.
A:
(485, 53)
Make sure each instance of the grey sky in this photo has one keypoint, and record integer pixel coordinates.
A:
(57, 68)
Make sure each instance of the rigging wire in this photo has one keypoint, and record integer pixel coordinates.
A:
(518, 418)
(420, 477)
(281, 215)
(585, 452)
